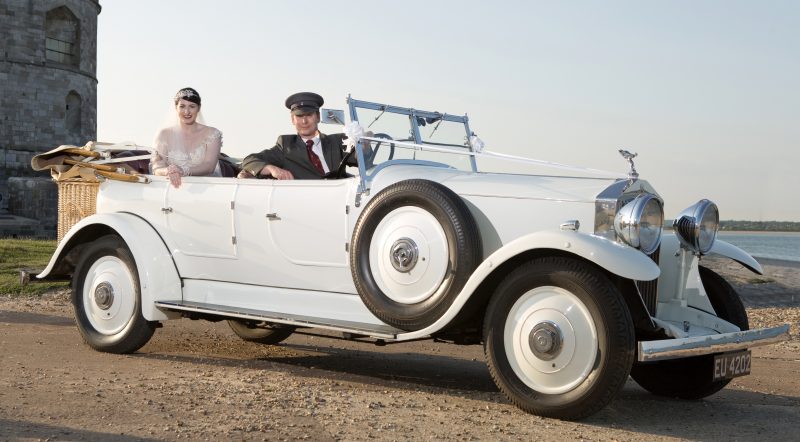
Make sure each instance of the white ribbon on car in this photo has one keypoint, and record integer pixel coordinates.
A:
(477, 143)
(355, 132)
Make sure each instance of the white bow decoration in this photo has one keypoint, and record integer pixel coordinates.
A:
(477, 144)
(354, 132)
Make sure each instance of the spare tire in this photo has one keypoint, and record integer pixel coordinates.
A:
(415, 245)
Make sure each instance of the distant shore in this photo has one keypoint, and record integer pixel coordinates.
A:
(758, 232)
(778, 262)
(779, 286)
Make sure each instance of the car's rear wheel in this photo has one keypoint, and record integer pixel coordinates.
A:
(263, 332)
(107, 300)
(558, 338)
(692, 378)
(414, 247)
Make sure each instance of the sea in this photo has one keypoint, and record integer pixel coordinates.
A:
(772, 245)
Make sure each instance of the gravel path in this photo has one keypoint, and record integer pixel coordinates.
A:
(195, 380)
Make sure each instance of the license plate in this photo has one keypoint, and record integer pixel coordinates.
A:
(731, 365)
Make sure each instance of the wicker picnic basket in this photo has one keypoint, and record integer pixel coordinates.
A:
(77, 199)
(78, 172)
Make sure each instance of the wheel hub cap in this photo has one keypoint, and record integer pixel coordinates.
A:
(404, 255)
(545, 340)
(104, 295)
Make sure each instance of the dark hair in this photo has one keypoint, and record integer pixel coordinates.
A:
(188, 94)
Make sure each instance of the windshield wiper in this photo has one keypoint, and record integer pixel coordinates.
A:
(383, 110)
(437, 126)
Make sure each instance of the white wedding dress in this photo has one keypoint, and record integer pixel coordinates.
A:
(193, 152)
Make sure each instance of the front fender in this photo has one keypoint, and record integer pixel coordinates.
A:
(670, 245)
(731, 251)
(158, 277)
(618, 259)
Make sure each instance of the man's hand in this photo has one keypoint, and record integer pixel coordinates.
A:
(277, 172)
(245, 174)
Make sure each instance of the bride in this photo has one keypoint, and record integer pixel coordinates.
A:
(188, 147)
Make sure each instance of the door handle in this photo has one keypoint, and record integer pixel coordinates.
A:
(166, 210)
(273, 216)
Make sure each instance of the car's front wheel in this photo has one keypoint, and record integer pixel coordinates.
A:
(106, 298)
(558, 338)
(263, 333)
(692, 378)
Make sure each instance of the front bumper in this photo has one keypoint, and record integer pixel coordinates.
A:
(703, 345)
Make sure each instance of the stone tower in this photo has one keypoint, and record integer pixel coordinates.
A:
(48, 85)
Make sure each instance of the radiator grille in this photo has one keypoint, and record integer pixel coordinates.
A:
(649, 289)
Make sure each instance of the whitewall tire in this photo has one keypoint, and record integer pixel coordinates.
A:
(107, 300)
(414, 247)
(558, 338)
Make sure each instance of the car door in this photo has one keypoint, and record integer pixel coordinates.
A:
(199, 218)
(308, 222)
(306, 235)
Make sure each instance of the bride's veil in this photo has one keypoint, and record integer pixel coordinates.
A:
(169, 138)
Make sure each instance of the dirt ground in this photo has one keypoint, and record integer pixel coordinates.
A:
(196, 380)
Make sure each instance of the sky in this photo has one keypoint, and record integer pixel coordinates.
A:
(707, 93)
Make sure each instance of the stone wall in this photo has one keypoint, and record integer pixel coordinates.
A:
(34, 108)
(23, 32)
(34, 89)
(34, 209)
(14, 163)
(44, 102)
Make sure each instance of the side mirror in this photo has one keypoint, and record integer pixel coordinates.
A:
(331, 116)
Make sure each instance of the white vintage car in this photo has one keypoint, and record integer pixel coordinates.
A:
(567, 281)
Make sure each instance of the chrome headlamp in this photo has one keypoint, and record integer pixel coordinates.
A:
(640, 222)
(697, 226)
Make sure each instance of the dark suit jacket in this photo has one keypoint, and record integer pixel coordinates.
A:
(290, 153)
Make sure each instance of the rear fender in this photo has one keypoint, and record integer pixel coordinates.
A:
(614, 257)
(158, 276)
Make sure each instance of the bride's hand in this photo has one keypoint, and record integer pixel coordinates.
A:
(174, 175)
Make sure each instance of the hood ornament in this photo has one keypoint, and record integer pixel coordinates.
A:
(633, 174)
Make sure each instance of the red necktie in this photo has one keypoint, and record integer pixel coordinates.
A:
(313, 157)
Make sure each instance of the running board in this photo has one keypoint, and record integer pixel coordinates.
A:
(358, 328)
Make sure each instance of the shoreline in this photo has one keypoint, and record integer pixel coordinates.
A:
(772, 262)
(778, 232)
(775, 262)
(778, 286)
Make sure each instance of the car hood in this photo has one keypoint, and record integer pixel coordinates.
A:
(540, 187)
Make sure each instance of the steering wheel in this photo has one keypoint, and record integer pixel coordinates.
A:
(378, 145)
(341, 171)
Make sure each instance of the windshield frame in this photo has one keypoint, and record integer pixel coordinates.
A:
(413, 116)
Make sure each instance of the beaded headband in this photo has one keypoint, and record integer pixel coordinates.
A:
(187, 94)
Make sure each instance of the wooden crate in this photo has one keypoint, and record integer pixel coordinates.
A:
(76, 200)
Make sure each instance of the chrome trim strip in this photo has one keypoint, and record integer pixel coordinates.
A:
(703, 345)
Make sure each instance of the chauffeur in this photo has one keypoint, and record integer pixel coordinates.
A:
(308, 154)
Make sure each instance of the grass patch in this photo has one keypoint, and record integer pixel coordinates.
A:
(16, 254)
